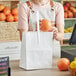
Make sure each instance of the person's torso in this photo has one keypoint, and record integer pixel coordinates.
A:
(44, 13)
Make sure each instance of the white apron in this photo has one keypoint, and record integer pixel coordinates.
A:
(45, 14)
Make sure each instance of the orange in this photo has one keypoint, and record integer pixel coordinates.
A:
(6, 11)
(14, 11)
(45, 25)
(63, 64)
(10, 18)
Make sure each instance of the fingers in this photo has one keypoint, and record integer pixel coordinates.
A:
(55, 31)
(54, 34)
(57, 36)
(40, 23)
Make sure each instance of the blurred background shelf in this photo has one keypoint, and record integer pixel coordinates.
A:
(10, 44)
(70, 18)
(8, 30)
(67, 36)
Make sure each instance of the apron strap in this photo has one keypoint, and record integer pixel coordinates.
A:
(29, 4)
(52, 5)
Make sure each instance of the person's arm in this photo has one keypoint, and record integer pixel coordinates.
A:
(23, 19)
(59, 32)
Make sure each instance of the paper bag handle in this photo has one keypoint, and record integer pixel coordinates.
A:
(37, 17)
(38, 28)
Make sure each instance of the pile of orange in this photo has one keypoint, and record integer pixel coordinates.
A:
(7, 14)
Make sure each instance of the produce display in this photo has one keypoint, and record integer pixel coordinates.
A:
(69, 10)
(7, 14)
(64, 64)
(68, 30)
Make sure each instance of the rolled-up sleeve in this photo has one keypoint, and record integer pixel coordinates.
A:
(60, 15)
(23, 17)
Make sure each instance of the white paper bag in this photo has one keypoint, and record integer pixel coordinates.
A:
(34, 54)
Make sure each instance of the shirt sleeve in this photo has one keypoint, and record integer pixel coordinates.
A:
(60, 15)
(23, 17)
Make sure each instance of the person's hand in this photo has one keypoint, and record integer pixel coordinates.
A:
(57, 35)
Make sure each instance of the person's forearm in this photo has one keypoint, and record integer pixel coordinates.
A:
(60, 32)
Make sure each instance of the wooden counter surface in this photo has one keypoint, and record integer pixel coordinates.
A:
(16, 71)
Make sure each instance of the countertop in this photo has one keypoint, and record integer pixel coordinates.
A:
(16, 71)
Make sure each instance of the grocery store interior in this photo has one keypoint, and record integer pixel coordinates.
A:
(10, 44)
